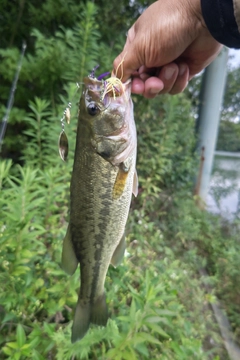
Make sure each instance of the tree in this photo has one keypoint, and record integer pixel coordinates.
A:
(229, 129)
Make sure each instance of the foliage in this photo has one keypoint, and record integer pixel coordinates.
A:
(212, 243)
(68, 55)
(229, 130)
(150, 296)
(231, 110)
(151, 314)
(174, 149)
(158, 305)
(225, 180)
(229, 136)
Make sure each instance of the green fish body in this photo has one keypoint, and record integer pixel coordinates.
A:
(103, 180)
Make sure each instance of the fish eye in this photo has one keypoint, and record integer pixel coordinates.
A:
(93, 109)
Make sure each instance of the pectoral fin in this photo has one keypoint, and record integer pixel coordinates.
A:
(135, 184)
(120, 181)
(69, 260)
(119, 252)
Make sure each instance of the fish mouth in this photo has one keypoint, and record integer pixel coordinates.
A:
(107, 102)
(107, 92)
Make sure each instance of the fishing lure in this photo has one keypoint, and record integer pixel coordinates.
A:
(63, 140)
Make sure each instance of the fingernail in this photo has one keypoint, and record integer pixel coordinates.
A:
(182, 69)
(168, 73)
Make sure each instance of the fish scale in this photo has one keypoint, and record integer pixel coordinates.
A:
(101, 218)
(102, 183)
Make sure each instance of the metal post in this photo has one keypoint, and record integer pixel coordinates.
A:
(211, 97)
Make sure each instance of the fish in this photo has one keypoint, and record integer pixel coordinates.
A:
(103, 179)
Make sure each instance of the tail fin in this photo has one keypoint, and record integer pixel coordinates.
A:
(85, 314)
(81, 321)
(99, 311)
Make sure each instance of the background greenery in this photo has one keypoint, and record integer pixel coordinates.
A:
(158, 303)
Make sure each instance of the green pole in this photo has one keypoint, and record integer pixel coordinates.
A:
(211, 97)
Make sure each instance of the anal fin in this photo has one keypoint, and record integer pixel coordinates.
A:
(69, 260)
(119, 252)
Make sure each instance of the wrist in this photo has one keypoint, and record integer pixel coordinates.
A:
(195, 12)
(195, 15)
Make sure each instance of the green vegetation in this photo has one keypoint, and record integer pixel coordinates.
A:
(158, 304)
(229, 129)
(229, 136)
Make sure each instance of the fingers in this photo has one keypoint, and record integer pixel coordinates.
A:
(137, 86)
(168, 75)
(171, 79)
(153, 86)
(175, 78)
(181, 81)
(149, 88)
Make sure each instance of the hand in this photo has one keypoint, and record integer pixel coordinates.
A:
(166, 47)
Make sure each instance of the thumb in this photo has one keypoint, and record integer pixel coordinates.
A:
(127, 62)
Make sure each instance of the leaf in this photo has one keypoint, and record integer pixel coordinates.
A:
(49, 328)
(142, 336)
(21, 270)
(13, 345)
(132, 309)
(158, 329)
(166, 312)
(142, 349)
(8, 317)
(21, 336)
(136, 296)
(6, 350)
(124, 318)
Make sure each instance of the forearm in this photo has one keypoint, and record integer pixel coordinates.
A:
(222, 18)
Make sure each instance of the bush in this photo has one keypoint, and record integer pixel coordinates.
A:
(155, 300)
(158, 306)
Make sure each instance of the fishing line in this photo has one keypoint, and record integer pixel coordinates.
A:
(11, 96)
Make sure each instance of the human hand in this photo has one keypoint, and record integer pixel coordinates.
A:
(166, 47)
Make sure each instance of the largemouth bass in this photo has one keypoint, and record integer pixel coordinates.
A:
(103, 180)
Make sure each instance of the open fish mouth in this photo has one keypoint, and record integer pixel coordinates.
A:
(110, 88)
